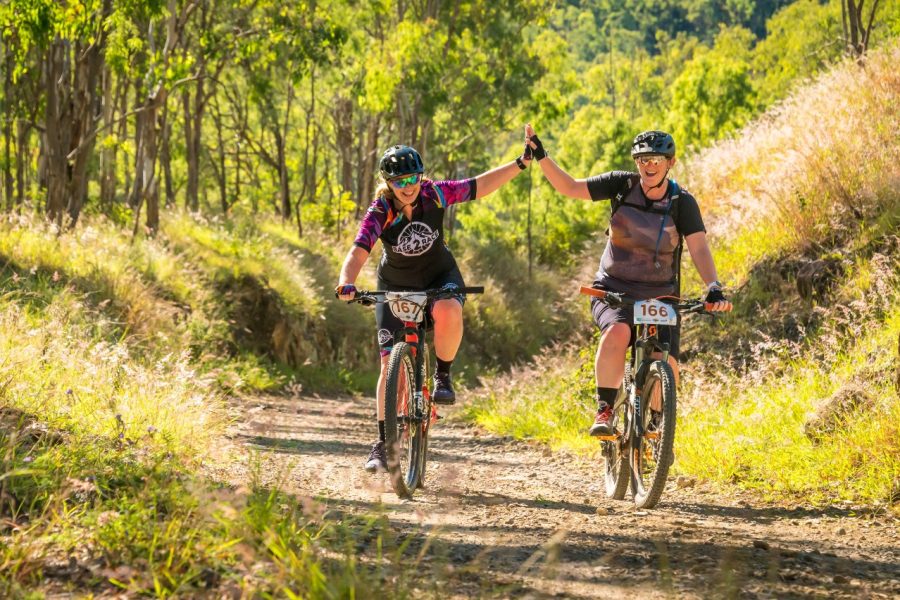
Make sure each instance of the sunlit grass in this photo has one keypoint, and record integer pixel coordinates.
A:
(755, 436)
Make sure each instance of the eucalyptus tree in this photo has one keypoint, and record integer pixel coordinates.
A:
(289, 44)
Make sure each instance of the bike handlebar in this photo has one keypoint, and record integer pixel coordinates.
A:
(617, 299)
(368, 298)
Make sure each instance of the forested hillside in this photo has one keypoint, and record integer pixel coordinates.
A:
(180, 180)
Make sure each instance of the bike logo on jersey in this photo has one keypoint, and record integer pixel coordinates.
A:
(415, 239)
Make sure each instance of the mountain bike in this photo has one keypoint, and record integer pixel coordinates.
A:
(408, 409)
(641, 450)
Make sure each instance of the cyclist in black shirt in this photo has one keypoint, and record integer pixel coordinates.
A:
(651, 215)
(407, 215)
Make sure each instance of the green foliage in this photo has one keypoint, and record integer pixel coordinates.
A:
(710, 98)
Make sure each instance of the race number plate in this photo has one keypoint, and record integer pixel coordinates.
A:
(407, 306)
(654, 312)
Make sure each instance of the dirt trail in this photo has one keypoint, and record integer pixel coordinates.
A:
(512, 519)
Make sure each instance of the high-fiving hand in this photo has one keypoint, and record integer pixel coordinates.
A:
(533, 145)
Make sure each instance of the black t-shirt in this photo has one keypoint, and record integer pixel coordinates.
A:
(608, 185)
(415, 253)
(640, 258)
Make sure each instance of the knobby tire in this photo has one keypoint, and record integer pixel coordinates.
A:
(403, 442)
(618, 469)
(648, 478)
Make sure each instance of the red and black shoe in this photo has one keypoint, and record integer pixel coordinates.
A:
(603, 421)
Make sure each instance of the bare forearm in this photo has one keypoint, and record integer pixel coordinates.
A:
(491, 181)
(353, 264)
(562, 182)
(702, 257)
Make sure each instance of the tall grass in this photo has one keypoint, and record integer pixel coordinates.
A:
(107, 412)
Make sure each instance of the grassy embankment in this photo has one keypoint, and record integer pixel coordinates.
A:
(803, 209)
(116, 362)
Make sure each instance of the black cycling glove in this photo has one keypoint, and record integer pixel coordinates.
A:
(714, 295)
(538, 153)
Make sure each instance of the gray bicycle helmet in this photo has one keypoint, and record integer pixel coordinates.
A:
(400, 160)
(653, 142)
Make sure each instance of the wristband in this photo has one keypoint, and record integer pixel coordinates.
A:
(520, 162)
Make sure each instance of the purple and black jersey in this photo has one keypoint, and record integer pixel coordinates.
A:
(639, 258)
(415, 254)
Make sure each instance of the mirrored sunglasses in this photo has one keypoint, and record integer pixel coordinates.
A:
(402, 182)
(651, 160)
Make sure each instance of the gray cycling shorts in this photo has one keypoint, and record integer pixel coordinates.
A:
(606, 316)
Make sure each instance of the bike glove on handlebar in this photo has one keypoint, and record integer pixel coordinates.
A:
(714, 295)
(343, 290)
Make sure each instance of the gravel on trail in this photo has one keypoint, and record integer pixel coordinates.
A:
(505, 518)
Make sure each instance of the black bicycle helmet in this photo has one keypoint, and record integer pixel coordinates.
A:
(653, 142)
(400, 160)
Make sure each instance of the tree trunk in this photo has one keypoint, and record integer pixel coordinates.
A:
(145, 165)
(108, 153)
(165, 156)
(22, 132)
(57, 127)
(89, 62)
(857, 32)
(8, 112)
(193, 122)
(366, 185)
(343, 121)
(219, 160)
(134, 198)
(123, 132)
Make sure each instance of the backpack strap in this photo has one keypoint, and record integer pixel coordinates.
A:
(619, 198)
(440, 195)
(673, 205)
(391, 215)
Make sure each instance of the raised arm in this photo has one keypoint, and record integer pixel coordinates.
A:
(491, 181)
(561, 181)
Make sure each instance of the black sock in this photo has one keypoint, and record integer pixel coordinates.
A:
(606, 396)
(443, 366)
(381, 430)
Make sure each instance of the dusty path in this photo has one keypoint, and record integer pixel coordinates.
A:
(506, 518)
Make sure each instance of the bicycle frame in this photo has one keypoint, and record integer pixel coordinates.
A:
(414, 335)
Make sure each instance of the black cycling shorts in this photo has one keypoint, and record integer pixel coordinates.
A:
(387, 324)
(605, 316)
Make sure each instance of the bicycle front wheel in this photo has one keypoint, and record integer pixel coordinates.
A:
(653, 453)
(425, 425)
(403, 433)
(615, 452)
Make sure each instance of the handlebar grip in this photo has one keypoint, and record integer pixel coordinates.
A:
(477, 289)
(589, 291)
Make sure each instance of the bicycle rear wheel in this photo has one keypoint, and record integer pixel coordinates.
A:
(652, 454)
(403, 433)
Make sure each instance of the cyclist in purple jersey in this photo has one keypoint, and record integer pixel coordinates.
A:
(407, 215)
(650, 217)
